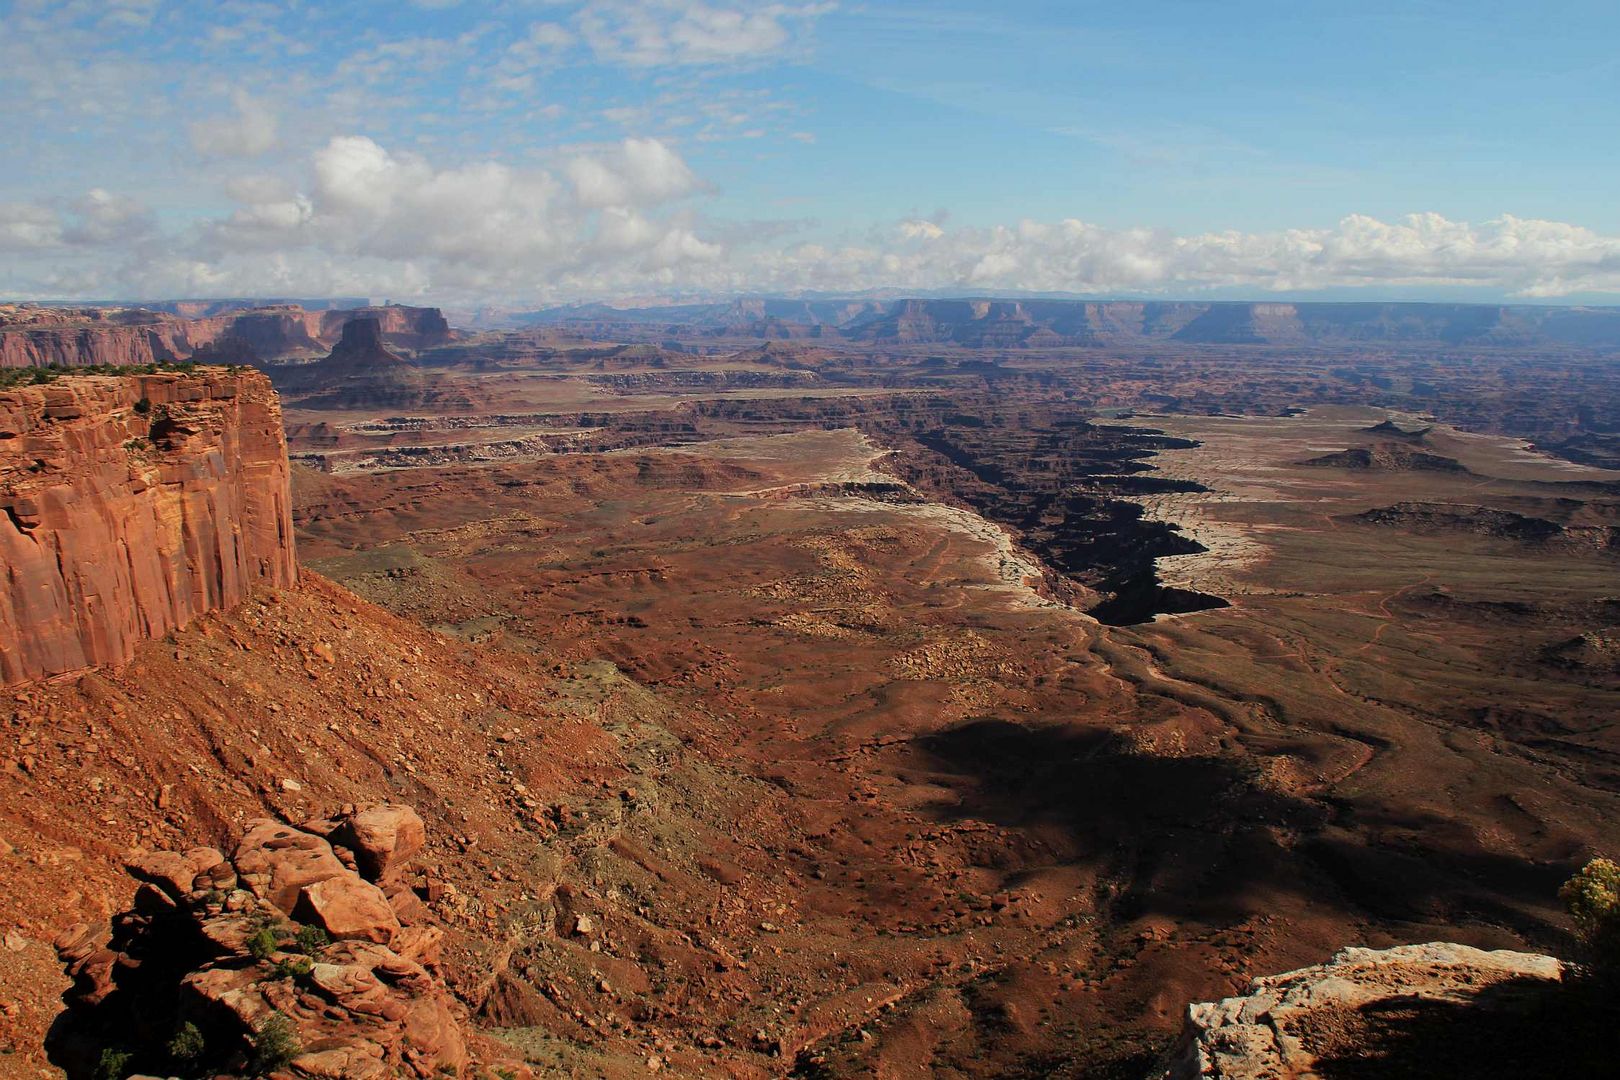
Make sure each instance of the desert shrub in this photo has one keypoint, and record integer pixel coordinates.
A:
(188, 1044)
(310, 940)
(1593, 899)
(295, 967)
(262, 943)
(114, 1064)
(274, 1044)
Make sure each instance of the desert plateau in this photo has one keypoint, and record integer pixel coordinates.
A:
(809, 541)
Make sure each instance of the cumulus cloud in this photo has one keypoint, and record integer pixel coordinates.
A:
(479, 226)
(636, 171)
(647, 33)
(624, 218)
(248, 131)
(98, 218)
(1512, 255)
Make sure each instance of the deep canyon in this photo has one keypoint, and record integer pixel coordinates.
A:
(901, 689)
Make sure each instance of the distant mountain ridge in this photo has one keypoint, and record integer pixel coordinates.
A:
(1045, 323)
(47, 336)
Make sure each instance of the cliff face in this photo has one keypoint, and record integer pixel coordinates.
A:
(49, 338)
(132, 505)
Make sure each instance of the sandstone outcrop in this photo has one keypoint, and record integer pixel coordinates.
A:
(133, 504)
(281, 960)
(360, 372)
(1286, 1022)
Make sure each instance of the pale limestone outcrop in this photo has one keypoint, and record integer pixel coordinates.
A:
(1264, 1035)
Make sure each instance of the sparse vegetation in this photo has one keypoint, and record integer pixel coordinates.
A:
(1593, 899)
(188, 1044)
(262, 943)
(297, 968)
(274, 1044)
(114, 1064)
(40, 376)
(310, 940)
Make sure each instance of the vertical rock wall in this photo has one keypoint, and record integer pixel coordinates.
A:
(131, 505)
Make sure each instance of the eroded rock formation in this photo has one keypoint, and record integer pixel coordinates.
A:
(1289, 1024)
(304, 954)
(133, 504)
(360, 372)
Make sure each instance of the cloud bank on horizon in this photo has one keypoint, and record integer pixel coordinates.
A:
(538, 152)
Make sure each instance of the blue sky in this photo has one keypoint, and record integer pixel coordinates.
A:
(543, 151)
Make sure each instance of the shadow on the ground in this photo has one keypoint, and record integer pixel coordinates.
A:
(1516, 1030)
(1206, 836)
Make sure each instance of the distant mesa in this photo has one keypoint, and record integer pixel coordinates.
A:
(38, 336)
(1036, 323)
(1426, 517)
(1462, 518)
(1387, 457)
(361, 348)
(363, 372)
(1389, 429)
(359, 373)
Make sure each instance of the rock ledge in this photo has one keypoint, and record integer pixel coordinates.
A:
(1266, 1035)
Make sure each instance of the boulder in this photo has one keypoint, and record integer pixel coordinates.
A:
(175, 872)
(277, 861)
(348, 908)
(382, 838)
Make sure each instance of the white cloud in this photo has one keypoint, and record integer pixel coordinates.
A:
(95, 219)
(623, 218)
(479, 227)
(636, 171)
(920, 230)
(248, 132)
(1508, 254)
(657, 32)
(29, 227)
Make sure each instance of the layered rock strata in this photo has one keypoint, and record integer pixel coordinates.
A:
(131, 505)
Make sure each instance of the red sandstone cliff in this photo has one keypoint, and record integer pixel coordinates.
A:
(37, 337)
(133, 504)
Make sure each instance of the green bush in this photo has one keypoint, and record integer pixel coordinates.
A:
(188, 1044)
(262, 943)
(274, 1044)
(114, 1064)
(1593, 899)
(294, 967)
(310, 940)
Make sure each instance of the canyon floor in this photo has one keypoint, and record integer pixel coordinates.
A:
(762, 729)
